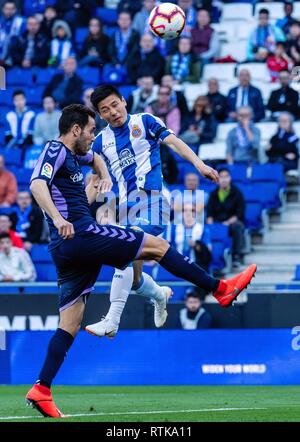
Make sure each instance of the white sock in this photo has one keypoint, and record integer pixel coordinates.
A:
(120, 289)
(149, 288)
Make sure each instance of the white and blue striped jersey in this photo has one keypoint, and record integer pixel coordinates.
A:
(132, 153)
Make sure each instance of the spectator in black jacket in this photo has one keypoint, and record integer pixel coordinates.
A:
(76, 12)
(32, 48)
(202, 125)
(283, 147)
(226, 205)
(217, 100)
(27, 220)
(284, 99)
(50, 16)
(146, 60)
(95, 47)
(66, 88)
(124, 41)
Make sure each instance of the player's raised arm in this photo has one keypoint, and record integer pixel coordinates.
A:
(40, 191)
(186, 152)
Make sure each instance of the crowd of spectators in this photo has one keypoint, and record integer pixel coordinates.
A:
(44, 36)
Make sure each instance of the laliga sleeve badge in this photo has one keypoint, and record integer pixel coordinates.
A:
(136, 131)
(47, 170)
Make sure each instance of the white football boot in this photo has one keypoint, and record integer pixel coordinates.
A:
(160, 307)
(103, 328)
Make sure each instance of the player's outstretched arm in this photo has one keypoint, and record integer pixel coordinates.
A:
(186, 152)
(40, 191)
(105, 183)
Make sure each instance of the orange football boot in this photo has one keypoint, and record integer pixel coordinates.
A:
(229, 289)
(40, 397)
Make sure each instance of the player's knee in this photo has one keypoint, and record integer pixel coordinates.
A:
(70, 327)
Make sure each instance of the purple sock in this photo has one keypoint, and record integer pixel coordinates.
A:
(59, 344)
(184, 268)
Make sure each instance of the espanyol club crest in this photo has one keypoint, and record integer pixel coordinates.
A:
(136, 131)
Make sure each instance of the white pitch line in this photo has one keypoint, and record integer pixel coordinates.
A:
(202, 410)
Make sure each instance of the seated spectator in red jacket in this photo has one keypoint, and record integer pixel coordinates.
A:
(280, 61)
(8, 186)
(283, 147)
(27, 220)
(5, 227)
(165, 110)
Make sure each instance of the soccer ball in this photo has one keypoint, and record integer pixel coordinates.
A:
(167, 21)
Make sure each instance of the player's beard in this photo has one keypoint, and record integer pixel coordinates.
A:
(81, 147)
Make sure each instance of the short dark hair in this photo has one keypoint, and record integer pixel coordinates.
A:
(18, 92)
(224, 169)
(74, 114)
(263, 11)
(102, 92)
(193, 292)
(4, 235)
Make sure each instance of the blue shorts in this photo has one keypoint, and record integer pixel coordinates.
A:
(151, 214)
(78, 261)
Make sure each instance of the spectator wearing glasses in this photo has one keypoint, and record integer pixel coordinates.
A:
(284, 145)
(243, 141)
(165, 110)
(226, 205)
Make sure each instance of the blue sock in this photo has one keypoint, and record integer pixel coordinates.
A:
(59, 344)
(184, 268)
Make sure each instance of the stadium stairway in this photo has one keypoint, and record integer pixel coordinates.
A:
(278, 254)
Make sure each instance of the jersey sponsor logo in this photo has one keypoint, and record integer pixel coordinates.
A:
(77, 177)
(126, 158)
(47, 170)
(136, 131)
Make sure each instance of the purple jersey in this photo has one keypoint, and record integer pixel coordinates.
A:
(61, 169)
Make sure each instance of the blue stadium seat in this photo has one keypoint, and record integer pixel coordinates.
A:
(268, 194)
(164, 275)
(297, 273)
(80, 36)
(108, 16)
(23, 175)
(106, 273)
(40, 254)
(219, 232)
(3, 113)
(6, 97)
(110, 30)
(34, 95)
(44, 76)
(253, 214)
(89, 75)
(178, 293)
(46, 272)
(32, 7)
(126, 91)
(268, 172)
(238, 172)
(12, 157)
(114, 75)
(18, 77)
(218, 250)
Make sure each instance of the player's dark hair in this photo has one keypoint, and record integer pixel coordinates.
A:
(263, 11)
(74, 114)
(102, 92)
(18, 92)
(4, 235)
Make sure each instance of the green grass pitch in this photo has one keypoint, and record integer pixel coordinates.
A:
(161, 404)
